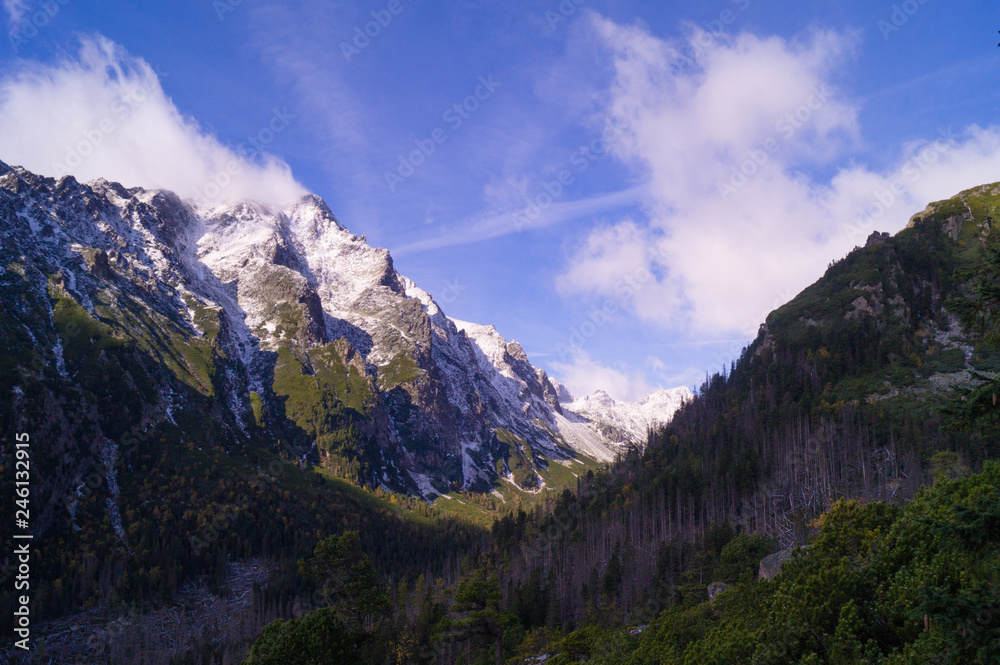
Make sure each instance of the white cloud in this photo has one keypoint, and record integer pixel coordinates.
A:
(655, 363)
(104, 114)
(583, 375)
(725, 131)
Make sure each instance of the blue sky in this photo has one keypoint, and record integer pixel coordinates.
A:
(626, 188)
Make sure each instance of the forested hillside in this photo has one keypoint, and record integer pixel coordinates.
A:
(881, 583)
(160, 501)
(193, 411)
(846, 404)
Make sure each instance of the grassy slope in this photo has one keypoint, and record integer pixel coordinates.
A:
(507, 498)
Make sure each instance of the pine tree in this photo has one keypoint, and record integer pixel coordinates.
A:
(349, 579)
(480, 621)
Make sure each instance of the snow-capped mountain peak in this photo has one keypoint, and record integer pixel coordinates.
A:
(280, 316)
(630, 422)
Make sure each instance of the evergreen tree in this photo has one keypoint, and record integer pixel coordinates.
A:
(349, 579)
(318, 638)
(480, 620)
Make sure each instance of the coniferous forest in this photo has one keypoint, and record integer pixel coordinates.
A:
(827, 499)
(236, 434)
(883, 507)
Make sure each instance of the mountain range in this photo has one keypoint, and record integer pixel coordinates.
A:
(282, 326)
(185, 372)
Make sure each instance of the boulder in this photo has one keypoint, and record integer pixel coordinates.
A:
(714, 589)
(770, 565)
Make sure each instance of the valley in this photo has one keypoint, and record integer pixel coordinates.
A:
(196, 370)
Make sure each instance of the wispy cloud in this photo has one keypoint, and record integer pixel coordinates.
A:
(300, 43)
(16, 11)
(104, 114)
(496, 224)
(316, 69)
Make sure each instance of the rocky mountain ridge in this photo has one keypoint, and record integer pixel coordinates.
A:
(277, 323)
(629, 422)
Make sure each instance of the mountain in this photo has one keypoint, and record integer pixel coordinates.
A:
(628, 422)
(186, 372)
(861, 422)
(847, 393)
(183, 371)
(826, 433)
(276, 322)
(586, 433)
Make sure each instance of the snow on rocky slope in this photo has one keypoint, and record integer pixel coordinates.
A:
(628, 422)
(312, 333)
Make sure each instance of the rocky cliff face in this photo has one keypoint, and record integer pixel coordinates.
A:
(126, 307)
